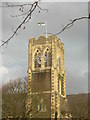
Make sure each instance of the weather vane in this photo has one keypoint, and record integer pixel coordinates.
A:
(44, 24)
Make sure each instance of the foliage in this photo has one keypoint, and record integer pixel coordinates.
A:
(13, 98)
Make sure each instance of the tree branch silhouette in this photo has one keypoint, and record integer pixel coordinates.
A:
(26, 19)
(26, 16)
(12, 5)
(70, 24)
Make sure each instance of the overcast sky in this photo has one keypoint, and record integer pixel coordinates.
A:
(75, 39)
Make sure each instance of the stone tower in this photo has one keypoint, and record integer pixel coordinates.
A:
(46, 77)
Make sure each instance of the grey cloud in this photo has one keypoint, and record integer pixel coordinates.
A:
(75, 40)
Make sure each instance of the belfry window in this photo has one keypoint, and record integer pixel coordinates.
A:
(37, 59)
(47, 58)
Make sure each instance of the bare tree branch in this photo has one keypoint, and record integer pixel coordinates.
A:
(12, 5)
(70, 24)
(42, 8)
(26, 19)
(20, 15)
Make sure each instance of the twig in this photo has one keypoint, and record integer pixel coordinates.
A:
(42, 8)
(21, 5)
(71, 24)
(20, 14)
(27, 18)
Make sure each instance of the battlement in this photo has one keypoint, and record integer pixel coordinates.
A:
(44, 40)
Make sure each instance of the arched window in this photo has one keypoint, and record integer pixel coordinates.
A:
(37, 59)
(47, 58)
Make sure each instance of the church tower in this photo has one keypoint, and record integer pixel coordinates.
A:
(46, 77)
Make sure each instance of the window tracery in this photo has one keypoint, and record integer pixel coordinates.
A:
(37, 59)
(47, 58)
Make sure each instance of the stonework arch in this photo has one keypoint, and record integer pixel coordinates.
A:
(35, 50)
(47, 57)
(37, 58)
(47, 47)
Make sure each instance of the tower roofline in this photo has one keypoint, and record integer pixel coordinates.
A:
(43, 39)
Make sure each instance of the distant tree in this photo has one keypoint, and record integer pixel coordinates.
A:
(14, 98)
